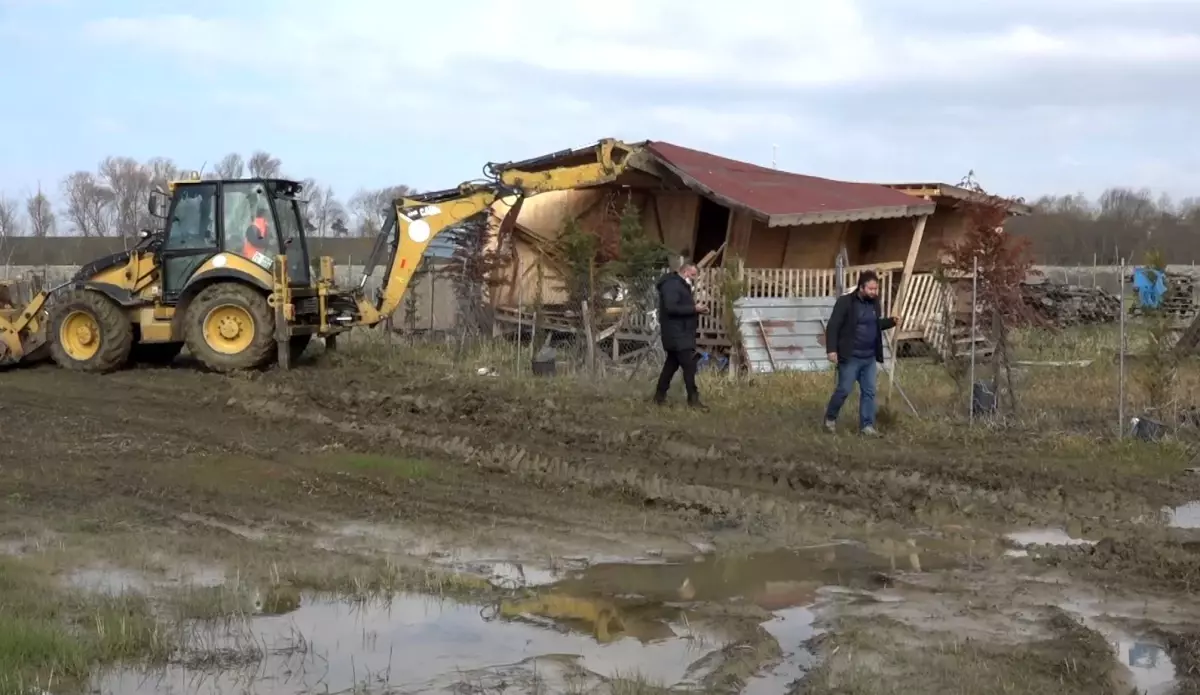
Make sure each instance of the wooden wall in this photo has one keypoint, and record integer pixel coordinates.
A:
(671, 217)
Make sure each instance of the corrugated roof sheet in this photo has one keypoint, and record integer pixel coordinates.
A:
(794, 328)
(782, 197)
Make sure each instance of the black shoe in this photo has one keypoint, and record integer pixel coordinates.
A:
(659, 400)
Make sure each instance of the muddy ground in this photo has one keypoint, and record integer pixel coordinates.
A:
(812, 563)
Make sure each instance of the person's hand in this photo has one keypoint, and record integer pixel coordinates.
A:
(701, 308)
(895, 321)
(832, 357)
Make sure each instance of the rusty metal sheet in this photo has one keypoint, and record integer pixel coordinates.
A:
(795, 333)
(785, 198)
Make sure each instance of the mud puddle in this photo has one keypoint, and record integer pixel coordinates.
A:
(1147, 665)
(680, 621)
(791, 628)
(1151, 670)
(410, 643)
(1185, 516)
(1024, 541)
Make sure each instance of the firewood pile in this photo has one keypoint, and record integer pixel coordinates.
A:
(1064, 306)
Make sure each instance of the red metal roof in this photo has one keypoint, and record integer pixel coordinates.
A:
(782, 197)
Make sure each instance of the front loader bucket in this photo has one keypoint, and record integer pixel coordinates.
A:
(22, 325)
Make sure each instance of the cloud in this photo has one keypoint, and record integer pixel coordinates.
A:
(868, 87)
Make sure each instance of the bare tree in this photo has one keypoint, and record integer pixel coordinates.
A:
(129, 183)
(323, 211)
(41, 215)
(89, 204)
(369, 208)
(231, 166)
(263, 166)
(10, 226)
(161, 171)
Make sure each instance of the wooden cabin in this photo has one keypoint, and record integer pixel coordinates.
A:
(781, 233)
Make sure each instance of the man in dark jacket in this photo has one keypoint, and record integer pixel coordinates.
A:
(678, 320)
(854, 342)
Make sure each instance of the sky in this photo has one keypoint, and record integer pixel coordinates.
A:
(1034, 96)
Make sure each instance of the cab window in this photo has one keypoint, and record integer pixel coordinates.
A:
(193, 221)
(293, 239)
(249, 226)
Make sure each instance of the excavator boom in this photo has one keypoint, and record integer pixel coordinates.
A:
(416, 221)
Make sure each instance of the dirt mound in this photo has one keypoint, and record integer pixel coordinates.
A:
(1155, 563)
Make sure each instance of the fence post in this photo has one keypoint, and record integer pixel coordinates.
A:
(974, 307)
(1121, 361)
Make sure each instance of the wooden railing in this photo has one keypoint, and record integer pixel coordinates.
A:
(921, 307)
(785, 282)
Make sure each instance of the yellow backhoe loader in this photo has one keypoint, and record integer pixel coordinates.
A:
(229, 273)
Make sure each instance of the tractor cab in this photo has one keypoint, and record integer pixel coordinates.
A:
(224, 223)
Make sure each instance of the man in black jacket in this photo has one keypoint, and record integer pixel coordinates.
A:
(854, 342)
(678, 320)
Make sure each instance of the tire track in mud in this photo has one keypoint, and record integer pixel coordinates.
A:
(654, 468)
(853, 494)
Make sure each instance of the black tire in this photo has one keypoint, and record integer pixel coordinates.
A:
(258, 353)
(156, 353)
(115, 333)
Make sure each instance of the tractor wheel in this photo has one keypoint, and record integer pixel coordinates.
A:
(89, 332)
(156, 353)
(230, 326)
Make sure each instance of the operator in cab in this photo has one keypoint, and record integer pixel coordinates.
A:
(257, 238)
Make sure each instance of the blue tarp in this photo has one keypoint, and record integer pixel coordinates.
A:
(1151, 285)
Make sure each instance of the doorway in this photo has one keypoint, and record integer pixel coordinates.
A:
(712, 224)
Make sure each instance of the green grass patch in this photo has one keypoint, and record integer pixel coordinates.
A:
(407, 468)
(53, 638)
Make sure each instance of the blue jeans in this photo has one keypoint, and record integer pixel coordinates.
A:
(862, 370)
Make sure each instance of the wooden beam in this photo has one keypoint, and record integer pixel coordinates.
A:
(914, 248)
(842, 235)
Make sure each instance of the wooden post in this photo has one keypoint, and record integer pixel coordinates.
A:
(587, 332)
(910, 262)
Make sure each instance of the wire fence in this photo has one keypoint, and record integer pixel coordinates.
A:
(1146, 346)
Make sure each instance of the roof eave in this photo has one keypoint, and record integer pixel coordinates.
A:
(936, 190)
(833, 216)
(700, 188)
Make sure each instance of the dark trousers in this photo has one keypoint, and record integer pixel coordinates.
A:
(676, 360)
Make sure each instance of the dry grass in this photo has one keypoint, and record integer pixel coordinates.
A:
(1063, 411)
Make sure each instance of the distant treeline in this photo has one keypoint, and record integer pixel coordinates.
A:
(1121, 223)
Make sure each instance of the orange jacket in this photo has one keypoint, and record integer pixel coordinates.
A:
(255, 243)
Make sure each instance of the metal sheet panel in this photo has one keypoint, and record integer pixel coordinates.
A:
(794, 328)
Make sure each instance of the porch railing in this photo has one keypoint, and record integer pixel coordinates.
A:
(785, 282)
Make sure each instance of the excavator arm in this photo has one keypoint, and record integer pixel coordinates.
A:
(416, 221)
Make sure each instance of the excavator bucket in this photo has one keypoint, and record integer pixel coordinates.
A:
(510, 219)
(22, 323)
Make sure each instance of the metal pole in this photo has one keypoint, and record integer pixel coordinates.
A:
(974, 305)
(1121, 362)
